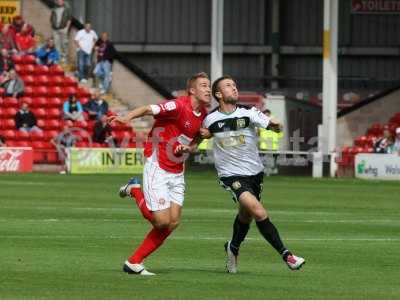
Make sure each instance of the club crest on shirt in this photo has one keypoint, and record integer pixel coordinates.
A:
(236, 185)
(241, 123)
(161, 201)
(187, 124)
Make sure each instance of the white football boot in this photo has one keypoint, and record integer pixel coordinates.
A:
(125, 190)
(231, 259)
(136, 269)
(294, 262)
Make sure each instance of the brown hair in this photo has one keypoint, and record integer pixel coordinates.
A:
(215, 86)
(190, 82)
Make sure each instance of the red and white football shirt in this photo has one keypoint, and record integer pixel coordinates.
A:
(176, 123)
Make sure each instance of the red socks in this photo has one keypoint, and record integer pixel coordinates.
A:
(137, 194)
(152, 242)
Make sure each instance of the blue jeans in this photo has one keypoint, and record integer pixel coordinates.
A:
(84, 62)
(103, 72)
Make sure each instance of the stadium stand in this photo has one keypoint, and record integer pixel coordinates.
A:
(45, 90)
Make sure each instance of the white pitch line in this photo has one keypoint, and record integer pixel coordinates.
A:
(199, 238)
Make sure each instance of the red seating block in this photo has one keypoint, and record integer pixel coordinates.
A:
(68, 91)
(41, 70)
(56, 80)
(56, 70)
(40, 91)
(55, 91)
(39, 113)
(22, 136)
(51, 134)
(54, 113)
(42, 80)
(9, 124)
(70, 81)
(28, 59)
(39, 102)
(28, 80)
(82, 92)
(37, 136)
(52, 124)
(9, 134)
(27, 100)
(11, 102)
(28, 92)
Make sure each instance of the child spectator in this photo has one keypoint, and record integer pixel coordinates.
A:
(102, 132)
(72, 109)
(7, 39)
(6, 63)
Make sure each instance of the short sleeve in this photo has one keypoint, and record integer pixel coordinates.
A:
(168, 109)
(258, 118)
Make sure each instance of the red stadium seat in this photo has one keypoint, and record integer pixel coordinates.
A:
(27, 100)
(81, 124)
(82, 144)
(9, 124)
(16, 59)
(10, 112)
(22, 144)
(70, 81)
(25, 69)
(39, 102)
(54, 102)
(37, 136)
(40, 123)
(42, 80)
(68, 91)
(51, 134)
(56, 80)
(54, 113)
(52, 157)
(41, 70)
(52, 124)
(56, 70)
(28, 59)
(68, 123)
(1, 91)
(82, 93)
(28, 92)
(39, 113)
(9, 134)
(28, 80)
(55, 91)
(84, 100)
(11, 102)
(22, 136)
(40, 91)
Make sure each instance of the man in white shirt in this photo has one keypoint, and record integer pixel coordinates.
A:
(240, 169)
(85, 40)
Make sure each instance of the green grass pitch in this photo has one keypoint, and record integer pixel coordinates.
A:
(66, 237)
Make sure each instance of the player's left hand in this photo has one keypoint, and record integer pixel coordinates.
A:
(205, 133)
(181, 149)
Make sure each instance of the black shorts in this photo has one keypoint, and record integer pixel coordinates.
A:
(239, 184)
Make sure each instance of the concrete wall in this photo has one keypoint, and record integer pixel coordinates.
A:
(356, 123)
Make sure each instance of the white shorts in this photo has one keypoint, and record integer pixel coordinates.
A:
(161, 187)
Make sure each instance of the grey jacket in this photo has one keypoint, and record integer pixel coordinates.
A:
(66, 16)
(18, 87)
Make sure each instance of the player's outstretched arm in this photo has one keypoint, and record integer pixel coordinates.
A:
(136, 113)
(275, 125)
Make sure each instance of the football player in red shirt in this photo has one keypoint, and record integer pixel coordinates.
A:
(177, 125)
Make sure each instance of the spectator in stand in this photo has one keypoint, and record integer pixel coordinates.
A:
(396, 145)
(72, 109)
(96, 107)
(25, 120)
(85, 40)
(18, 24)
(48, 54)
(7, 39)
(60, 20)
(2, 141)
(382, 145)
(13, 85)
(105, 55)
(25, 42)
(6, 63)
(102, 132)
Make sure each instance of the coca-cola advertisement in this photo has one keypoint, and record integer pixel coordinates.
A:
(16, 159)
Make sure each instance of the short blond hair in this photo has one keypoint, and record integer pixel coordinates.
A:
(190, 82)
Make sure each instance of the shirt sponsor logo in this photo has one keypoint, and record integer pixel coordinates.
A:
(221, 124)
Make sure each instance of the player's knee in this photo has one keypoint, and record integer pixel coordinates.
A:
(174, 224)
(260, 214)
(161, 224)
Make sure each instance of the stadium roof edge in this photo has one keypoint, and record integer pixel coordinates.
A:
(366, 101)
(126, 62)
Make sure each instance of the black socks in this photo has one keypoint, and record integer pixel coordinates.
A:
(271, 234)
(239, 233)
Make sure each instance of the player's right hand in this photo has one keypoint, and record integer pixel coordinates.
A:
(205, 133)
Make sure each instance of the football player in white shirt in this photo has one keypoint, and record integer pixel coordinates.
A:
(239, 167)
